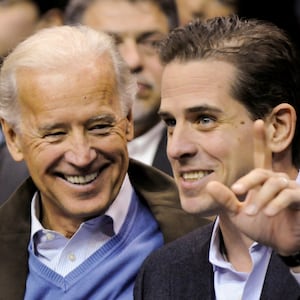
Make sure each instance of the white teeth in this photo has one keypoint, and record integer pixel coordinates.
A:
(81, 179)
(194, 175)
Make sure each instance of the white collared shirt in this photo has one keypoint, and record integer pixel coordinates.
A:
(232, 285)
(62, 254)
(143, 148)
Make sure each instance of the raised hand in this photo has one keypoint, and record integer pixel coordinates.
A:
(270, 210)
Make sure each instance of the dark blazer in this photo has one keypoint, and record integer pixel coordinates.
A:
(12, 174)
(181, 271)
(160, 160)
(153, 187)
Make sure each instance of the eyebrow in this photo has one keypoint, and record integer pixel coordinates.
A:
(194, 109)
(47, 128)
(203, 108)
(105, 117)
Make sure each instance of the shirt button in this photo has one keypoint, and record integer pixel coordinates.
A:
(72, 257)
(49, 236)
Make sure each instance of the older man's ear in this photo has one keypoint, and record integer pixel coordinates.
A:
(12, 141)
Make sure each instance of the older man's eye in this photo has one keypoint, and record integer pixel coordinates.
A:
(55, 134)
(54, 137)
(100, 129)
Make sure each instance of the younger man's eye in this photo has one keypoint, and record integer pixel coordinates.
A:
(170, 122)
(205, 122)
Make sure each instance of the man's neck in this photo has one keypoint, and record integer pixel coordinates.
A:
(234, 245)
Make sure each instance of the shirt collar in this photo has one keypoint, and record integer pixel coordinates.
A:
(119, 207)
(147, 138)
(215, 255)
(217, 258)
(117, 210)
(2, 141)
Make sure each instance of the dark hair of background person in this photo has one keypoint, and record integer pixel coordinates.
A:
(283, 14)
(76, 8)
(267, 73)
(46, 5)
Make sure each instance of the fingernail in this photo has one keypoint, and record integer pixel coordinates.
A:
(285, 181)
(237, 187)
(250, 209)
(270, 211)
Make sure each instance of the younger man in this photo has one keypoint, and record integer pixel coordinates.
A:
(229, 101)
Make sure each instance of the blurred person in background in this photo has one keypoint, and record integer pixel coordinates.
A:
(189, 10)
(18, 20)
(136, 25)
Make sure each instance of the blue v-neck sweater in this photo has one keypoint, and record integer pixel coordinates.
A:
(107, 274)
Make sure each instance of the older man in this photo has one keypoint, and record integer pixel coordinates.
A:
(81, 225)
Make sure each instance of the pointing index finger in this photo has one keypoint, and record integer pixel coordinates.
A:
(262, 154)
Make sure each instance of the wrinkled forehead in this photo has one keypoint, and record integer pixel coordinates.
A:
(85, 80)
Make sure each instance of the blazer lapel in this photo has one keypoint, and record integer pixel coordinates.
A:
(279, 283)
(14, 239)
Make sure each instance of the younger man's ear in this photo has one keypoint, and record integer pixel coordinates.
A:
(281, 127)
(12, 141)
